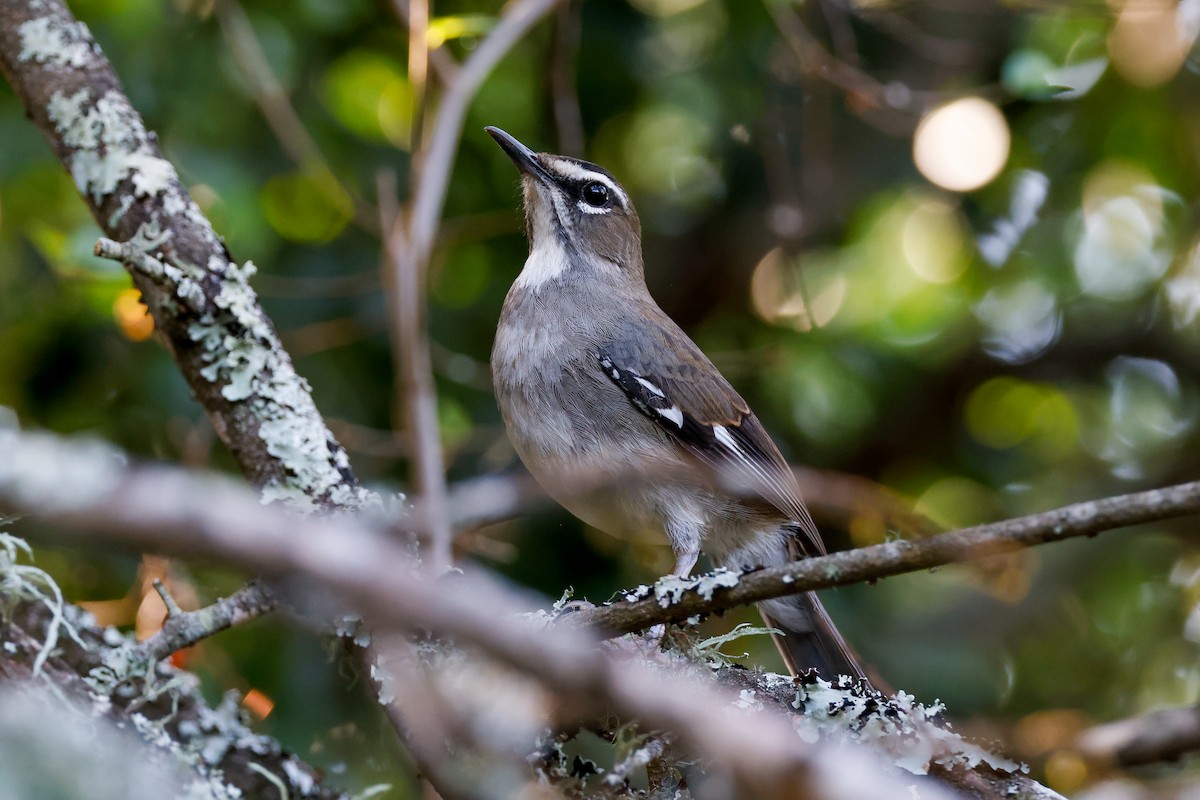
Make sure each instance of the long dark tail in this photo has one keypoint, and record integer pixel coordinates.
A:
(810, 639)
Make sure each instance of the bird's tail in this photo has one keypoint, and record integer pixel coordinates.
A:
(810, 639)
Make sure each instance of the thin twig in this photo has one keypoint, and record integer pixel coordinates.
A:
(409, 250)
(436, 167)
(564, 96)
(277, 108)
(418, 66)
(186, 628)
(445, 68)
(173, 609)
(895, 558)
(415, 388)
(893, 106)
(1163, 735)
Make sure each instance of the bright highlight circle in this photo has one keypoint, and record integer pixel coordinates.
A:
(962, 145)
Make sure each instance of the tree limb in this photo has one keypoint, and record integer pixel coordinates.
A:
(186, 628)
(701, 596)
(1162, 735)
(199, 297)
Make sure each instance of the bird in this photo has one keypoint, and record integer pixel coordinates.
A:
(623, 420)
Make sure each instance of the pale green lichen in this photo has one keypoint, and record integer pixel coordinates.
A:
(51, 40)
(108, 144)
(907, 733)
(709, 652)
(21, 582)
(242, 351)
(202, 740)
(670, 589)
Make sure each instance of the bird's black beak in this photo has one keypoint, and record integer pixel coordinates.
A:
(525, 159)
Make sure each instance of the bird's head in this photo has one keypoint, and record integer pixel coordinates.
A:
(576, 212)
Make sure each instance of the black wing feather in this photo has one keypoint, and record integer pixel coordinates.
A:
(738, 450)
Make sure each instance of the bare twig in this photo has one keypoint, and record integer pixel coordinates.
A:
(894, 558)
(438, 163)
(410, 248)
(1163, 735)
(894, 106)
(445, 68)
(418, 66)
(186, 628)
(416, 390)
(164, 594)
(277, 108)
(564, 97)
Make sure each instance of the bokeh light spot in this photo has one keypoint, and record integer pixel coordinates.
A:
(962, 145)
(781, 295)
(1150, 40)
(933, 243)
(1006, 412)
(306, 208)
(1123, 246)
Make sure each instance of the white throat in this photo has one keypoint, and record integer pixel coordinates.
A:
(547, 260)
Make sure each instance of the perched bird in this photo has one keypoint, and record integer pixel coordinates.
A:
(623, 420)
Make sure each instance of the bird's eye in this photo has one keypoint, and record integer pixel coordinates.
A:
(595, 194)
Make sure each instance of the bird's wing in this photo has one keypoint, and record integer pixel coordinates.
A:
(665, 376)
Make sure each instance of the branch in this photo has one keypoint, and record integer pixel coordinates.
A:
(278, 110)
(186, 628)
(409, 248)
(92, 495)
(702, 595)
(1163, 735)
(93, 679)
(202, 304)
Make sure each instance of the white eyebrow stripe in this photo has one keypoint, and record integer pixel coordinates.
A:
(570, 169)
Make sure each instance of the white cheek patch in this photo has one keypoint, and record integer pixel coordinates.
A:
(560, 209)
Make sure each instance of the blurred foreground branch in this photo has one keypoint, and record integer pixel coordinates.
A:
(92, 495)
(1162, 735)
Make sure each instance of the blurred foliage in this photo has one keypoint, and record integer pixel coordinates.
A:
(1029, 343)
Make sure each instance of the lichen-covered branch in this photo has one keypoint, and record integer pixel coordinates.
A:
(203, 306)
(168, 736)
(186, 628)
(675, 600)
